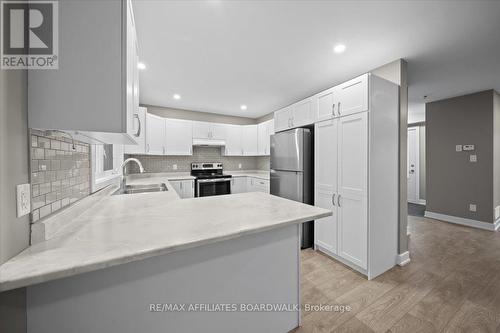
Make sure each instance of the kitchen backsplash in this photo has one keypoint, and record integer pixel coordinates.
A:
(200, 154)
(59, 175)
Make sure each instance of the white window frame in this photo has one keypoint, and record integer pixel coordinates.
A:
(99, 180)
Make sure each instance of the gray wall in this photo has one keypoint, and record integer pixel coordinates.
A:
(496, 153)
(452, 181)
(396, 72)
(198, 116)
(14, 232)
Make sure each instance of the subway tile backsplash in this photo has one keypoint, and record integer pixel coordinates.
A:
(59, 174)
(200, 154)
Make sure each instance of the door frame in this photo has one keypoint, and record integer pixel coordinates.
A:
(418, 201)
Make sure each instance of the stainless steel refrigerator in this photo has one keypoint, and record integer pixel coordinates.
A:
(292, 172)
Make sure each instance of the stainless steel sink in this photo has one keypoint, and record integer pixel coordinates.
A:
(143, 188)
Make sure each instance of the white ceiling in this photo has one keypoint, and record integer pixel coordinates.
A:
(267, 54)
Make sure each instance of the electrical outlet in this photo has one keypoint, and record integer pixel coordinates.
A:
(239, 166)
(473, 207)
(174, 166)
(458, 148)
(473, 158)
(23, 196)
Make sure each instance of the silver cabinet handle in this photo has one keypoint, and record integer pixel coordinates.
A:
(148, 148)
(333, 199)
(181, 184)
(138, 134)
(338, 109)
(333, 109)
(338, 200)
(292, 122)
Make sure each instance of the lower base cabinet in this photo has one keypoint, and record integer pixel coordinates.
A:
(249, 184)
(184, 188)
(238, 185)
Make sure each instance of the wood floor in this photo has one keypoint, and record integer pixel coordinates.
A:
(451, 285)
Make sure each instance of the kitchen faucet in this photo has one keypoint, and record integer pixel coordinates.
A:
(124, 165)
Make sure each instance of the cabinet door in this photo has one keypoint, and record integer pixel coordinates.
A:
(282, 119)
(187, 189)
(325, 187)
(352, 187)
(262, 130)
(217, 131)
(179, 137)
(261, 185)
(201, 130)
(303, 113)
(155, 135)
(326, 104)
(177, 185)
(353, 96)
(233, 141)
(249, 140)
(250, 184)
(139, 133)
(238, 185)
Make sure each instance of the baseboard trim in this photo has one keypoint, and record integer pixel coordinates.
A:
(403, 259)
(463, 221)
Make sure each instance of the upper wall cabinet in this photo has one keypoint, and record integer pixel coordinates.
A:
(295, 115)
(155, 134)
(249, 140)
(179, 137)
(208, 131)
(95, 90)
(264, 132)
(233, 141)
(327, 104)
(139, 133)
(353, 96)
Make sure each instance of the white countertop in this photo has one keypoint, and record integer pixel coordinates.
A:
(125, 228)
(249, 173)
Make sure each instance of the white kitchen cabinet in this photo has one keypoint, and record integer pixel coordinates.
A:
(139, 133)
(94, 95)
(233, 141)
(184, 187)
(208, 131)
(264, 132)
(238, 185)
(249, 143)
(325, 152)
(282, 119)
(327, 104)
(303, 112)
(155, 135)
(255, 184)
(179, 137)
(356, 176)
(353, 96)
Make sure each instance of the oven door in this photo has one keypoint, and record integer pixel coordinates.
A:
(216, 186)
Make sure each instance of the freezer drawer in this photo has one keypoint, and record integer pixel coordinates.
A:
(288, 184)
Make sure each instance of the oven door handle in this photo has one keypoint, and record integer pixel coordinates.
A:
(216, 180)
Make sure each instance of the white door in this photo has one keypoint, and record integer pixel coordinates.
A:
(413, 164)
(282, 119)
(238, 185)
(325, 147)
(179, 137)
(353, 96)
(139, 134)
(249, 140)
(326, 104)
(303, 112)
(352, 188)
(201, 130)
(233, 141)
(155, 135)
(217, 131)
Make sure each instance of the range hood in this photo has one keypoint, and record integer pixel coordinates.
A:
(208, 143)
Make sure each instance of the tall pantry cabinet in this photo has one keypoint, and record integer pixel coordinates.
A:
(356, 173)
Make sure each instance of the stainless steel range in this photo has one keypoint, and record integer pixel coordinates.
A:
(210, 179)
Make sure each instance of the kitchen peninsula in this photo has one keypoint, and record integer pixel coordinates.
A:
(119, 261)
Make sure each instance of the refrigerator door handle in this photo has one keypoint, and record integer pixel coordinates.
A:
(333, 199)
(338, 201)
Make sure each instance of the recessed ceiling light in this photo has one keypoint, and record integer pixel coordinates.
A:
(177, 96)
(141, 65)
(339, 48)
(243, 107)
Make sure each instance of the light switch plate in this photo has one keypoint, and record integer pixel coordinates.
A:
(23, 194)
(473, 158)
(458, 148)
(174, 166)
(239, 166)
(468, 147)
(472, 207)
